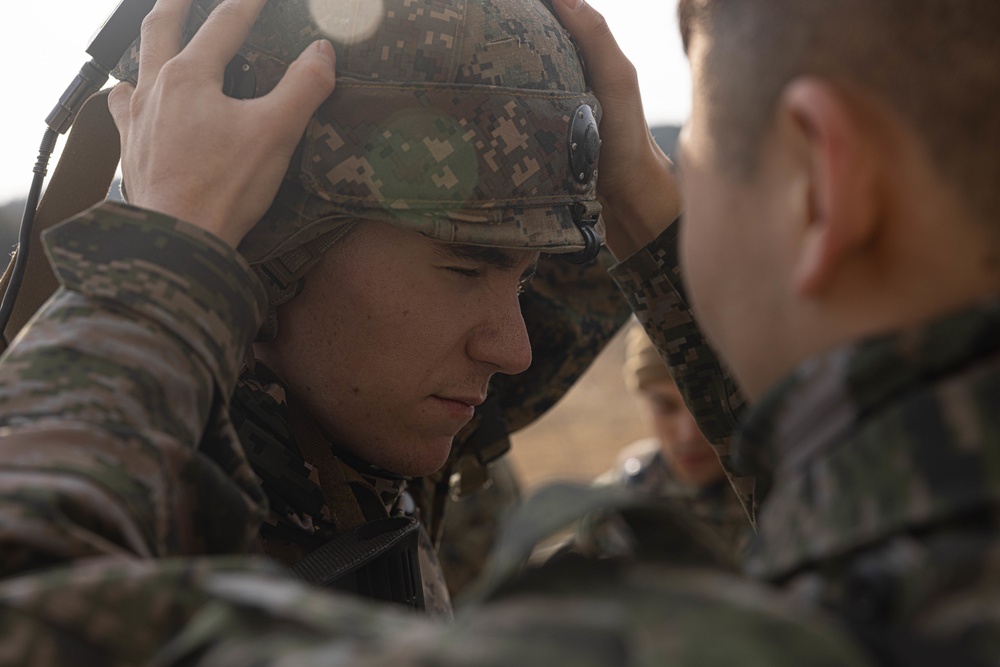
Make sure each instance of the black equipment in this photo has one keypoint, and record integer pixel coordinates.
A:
(106, 49)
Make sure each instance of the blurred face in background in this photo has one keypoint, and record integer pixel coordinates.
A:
(686, 450)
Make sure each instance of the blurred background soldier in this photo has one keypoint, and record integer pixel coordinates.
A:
(677, 461)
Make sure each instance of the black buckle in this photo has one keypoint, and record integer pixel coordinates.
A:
(376, 560)
(585, 216)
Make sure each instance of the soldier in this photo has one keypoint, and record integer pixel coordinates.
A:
(820, 162)
(676, 461)
(392, 272)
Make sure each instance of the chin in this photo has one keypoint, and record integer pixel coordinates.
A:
(424, 459)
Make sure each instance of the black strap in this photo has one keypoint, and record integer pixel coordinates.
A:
(377, 560)
(81, 179)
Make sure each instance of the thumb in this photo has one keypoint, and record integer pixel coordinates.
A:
(307, 83)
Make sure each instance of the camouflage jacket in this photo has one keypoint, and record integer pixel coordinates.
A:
(870, 470)
(97, 572)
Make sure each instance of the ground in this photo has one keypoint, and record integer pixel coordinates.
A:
(580, 437)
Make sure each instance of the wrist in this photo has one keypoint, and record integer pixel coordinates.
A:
(638, 212)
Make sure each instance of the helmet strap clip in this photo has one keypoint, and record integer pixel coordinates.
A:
(585, 216)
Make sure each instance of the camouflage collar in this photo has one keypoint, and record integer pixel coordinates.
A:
(876, 438)
(300, 509)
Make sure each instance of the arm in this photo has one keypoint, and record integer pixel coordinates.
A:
(641, 201)
(113, 402)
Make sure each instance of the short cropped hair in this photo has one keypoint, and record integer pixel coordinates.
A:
(936, 62)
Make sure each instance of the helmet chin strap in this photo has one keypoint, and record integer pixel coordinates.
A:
(282, 275)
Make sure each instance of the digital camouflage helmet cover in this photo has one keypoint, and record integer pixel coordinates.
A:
(468, 121)
(465, 120)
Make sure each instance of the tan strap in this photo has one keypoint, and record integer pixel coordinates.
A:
(81, 179)
(338, 481)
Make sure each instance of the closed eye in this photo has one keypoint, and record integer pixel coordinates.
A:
(467, 272)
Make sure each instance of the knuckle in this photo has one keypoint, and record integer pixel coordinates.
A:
(629, 75)
(315, 69)
(152, 22)
(173, 71)
(601, 27)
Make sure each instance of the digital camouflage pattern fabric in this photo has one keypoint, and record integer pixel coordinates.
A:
(651, 281)
(872, 468)
(108, 506)
(451, 117)
(123, 477)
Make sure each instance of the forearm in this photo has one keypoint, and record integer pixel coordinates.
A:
(107, 397)
(652, 283)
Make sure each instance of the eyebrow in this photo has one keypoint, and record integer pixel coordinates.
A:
(497, 258)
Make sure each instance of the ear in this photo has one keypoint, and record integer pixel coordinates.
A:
(841, 164)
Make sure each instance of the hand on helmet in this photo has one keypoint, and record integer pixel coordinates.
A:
(190, 151)
(636, 185)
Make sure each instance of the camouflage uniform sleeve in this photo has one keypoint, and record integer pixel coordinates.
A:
(652, 283)
(667, 608)
(114, 428)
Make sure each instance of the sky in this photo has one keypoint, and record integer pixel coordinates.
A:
(44, 42)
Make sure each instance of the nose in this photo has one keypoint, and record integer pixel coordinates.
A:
(501, 338)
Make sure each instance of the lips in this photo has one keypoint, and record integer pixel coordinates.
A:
(459, 408)
(472, 402)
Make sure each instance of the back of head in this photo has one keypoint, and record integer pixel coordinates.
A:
(935, 62)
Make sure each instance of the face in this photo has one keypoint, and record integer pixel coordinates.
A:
(734, 247)
(392, 343)
(691, 458)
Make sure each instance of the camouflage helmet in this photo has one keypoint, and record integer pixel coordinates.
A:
(468, 121)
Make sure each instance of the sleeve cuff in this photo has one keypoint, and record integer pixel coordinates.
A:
(655, 264)
(190, 282)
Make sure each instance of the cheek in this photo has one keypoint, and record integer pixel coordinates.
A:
(400, 333)
(666, 428)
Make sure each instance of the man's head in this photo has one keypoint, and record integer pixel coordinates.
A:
(394, 338)
(839, 180)
(460, 142)
(691, 458)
